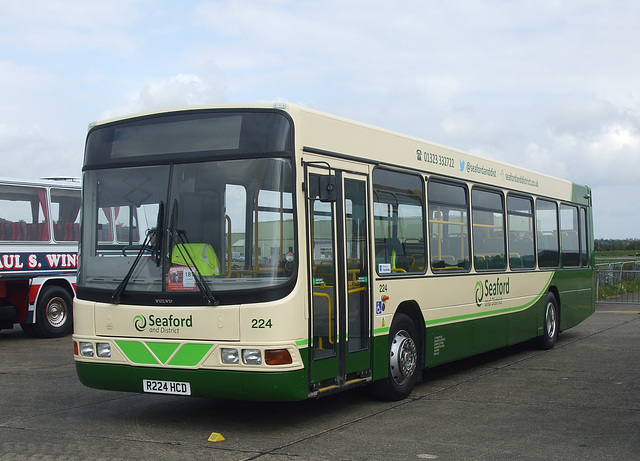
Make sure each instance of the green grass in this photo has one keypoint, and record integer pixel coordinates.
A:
(616, 255)
(624, 287)
(626, 257)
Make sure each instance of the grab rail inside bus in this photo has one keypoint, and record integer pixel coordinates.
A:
(329, 312)
(229, 252)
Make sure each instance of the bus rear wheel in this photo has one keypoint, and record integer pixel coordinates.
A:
(550, 324)
(53, 313)
(404, 361)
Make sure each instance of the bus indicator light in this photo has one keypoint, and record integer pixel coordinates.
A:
(277, 357)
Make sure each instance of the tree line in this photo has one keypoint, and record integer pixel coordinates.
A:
(617, 244)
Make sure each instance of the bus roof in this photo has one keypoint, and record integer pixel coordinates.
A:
(377, 145)
(65, 182)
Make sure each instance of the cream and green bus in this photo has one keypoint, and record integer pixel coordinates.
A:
(273, 252)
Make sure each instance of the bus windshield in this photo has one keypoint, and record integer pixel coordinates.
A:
(184, 230)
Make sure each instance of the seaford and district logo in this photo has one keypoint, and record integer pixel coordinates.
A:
(490, 292)
(168, 324)
(479, 295)
(140, 322)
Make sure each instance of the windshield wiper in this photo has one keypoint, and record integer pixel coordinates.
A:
(115, 297)
(180, 236)
(156, 253)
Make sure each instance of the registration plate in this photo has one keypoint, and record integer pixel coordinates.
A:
(155, 386)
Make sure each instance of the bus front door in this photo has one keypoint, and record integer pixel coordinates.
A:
(340, 353)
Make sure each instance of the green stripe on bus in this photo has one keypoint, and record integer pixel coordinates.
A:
(190, 355)
(163, 350)
(152, 353)
(137, 352)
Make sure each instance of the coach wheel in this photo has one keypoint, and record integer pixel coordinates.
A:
(550, 323)
(54, 313)
(404, 361)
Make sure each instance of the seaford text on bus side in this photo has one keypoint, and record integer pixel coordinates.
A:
(496, 288)
(490, 290)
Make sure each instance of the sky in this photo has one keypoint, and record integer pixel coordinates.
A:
(552, 86)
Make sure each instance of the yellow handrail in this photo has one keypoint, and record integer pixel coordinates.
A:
(229, 252)
(325, 295)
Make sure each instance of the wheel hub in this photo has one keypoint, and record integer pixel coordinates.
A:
(550, 318)
(56, 312)
(403, 357)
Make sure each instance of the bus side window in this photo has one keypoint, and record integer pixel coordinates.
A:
(448, 226)
(569, 241)
(399, 222)
(520, 224)
(547, 233)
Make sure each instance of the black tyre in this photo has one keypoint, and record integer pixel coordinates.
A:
(551, 323)
(404, 361)
(29, 330)
(54, 313)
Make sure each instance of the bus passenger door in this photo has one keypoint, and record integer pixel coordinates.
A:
(339, 278)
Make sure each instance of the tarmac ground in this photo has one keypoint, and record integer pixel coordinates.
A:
(578, 401)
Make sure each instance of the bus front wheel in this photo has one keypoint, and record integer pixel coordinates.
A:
(403, 361)
(54, 313)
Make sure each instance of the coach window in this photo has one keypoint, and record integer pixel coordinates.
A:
(584, 251)
(23, 214)
(547, 233)
(65, 214)
(522, 253)
(448, 226)
(488, 230)
(569, 242)
(398, 207)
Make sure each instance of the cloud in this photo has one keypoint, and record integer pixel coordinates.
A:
(33, 152)
(546, 85)
(46, 27)
(178, 91)
(21, 84)
(595, 140)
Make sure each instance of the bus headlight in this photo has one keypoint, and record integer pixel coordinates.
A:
(230, 356)
(251, 357)
(86, 349)
(103, 350)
